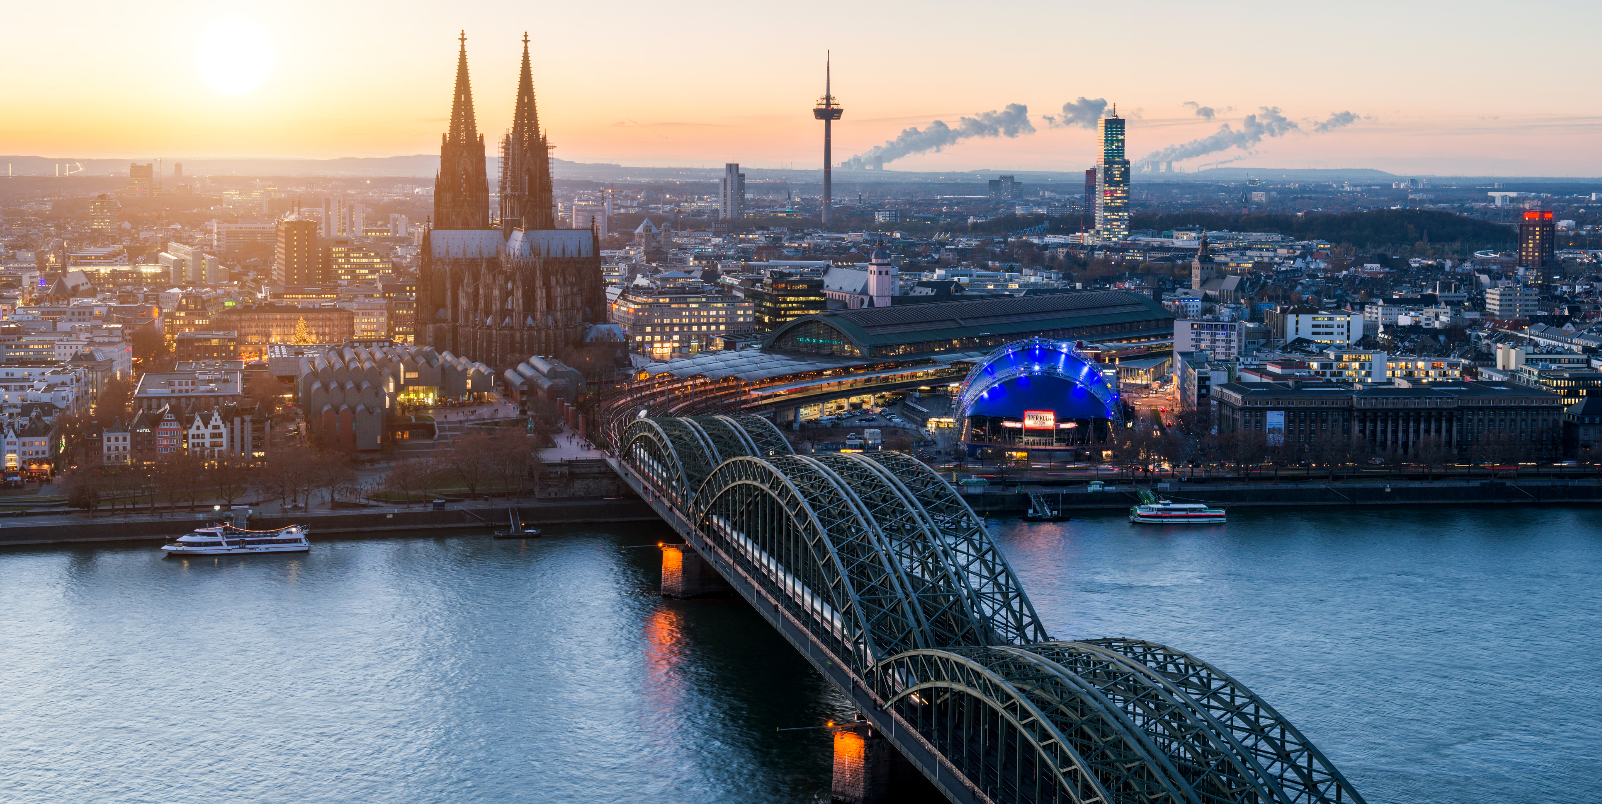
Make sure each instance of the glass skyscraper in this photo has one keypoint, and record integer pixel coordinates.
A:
(1113, 181)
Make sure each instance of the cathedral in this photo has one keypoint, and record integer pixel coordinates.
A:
(499, 292)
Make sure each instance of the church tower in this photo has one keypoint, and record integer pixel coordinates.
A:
(461, 191)
(1203, 265)
(525, 163)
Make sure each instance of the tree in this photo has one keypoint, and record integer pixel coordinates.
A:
(232, 478)
(1432, 452)
(85, 493)
(147, 343)
(265, 391)
(510, 460)
(112, 404)
(332, 472)
(303, 334)
(466, 461)
(189, 469)
(168, 477)
(409, 477)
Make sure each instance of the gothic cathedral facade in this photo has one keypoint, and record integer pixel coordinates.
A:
(499, 295)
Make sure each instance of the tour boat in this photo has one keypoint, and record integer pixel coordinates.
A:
(227, 539)
(1164, 512)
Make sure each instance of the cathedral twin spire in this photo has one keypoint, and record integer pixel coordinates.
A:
(462, 193)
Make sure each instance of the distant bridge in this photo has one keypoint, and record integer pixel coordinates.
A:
(882, 576)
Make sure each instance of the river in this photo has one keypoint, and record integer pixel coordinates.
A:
(1435, 654)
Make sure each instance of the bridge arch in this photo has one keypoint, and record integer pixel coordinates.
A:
(792, 526)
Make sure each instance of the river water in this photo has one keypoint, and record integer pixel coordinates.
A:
(1434, 654)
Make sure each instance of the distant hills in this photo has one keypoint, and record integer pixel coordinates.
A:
(424, 166)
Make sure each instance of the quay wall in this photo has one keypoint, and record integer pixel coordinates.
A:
(1502, 492)
(486, 516)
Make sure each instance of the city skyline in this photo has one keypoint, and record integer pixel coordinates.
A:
(1433, 93)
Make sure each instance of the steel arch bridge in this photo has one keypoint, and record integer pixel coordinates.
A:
(888, 582)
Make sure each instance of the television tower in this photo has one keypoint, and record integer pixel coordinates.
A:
(826, 110)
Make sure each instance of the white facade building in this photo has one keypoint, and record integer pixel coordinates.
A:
(1220, 340)
(1334, 329)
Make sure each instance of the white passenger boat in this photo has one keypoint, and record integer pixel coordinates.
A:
(1164, 512)
(226, 539)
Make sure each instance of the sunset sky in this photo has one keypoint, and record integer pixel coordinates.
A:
(1463, 87)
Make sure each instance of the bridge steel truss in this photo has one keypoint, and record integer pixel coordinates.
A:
(890, 584)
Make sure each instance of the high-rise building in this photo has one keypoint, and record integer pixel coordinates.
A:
(1536, 239)
(297, 260)
(103, 213)
(1091, 191)
(732, 193)
(1113, 181)
(828, 111)
(399, 225)
(141, 178)
(1004, 188)
(461, 191)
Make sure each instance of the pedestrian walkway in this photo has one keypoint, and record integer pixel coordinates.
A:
(571, 446)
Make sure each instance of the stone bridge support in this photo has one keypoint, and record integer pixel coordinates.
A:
(687, 574)
(868, 769)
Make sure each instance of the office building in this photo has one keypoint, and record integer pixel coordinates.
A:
(229, 238)
(141, 179)
(666, 324)
(335, 217)
(1536, 239)
(103, 214)
(732, 193)
(203, 345)
(782, 297)
(1091, 191)
(1512, 302)
(1113, 181)
(297, 260)
(1330, 328)
(1219, 340)
(347, 263)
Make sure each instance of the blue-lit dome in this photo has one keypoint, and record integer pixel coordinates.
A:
(1038, 375)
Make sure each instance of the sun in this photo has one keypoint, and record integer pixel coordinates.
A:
(234, 57)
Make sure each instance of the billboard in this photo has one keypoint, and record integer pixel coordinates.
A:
(1275, 427)
(1040, 420)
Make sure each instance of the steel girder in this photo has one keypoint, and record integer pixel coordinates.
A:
(1305, 775)
(1209, 759)
(649, 448)
(798, 530)
(937, 582)
(727, 437)
(765, 436)
(997, 597)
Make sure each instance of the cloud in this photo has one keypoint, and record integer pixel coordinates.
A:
(1335, 121)
(1012, 121)
(1205, 112)
(1267, 122)
(1081, 113)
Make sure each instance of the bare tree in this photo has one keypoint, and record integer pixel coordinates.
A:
(1432, 452)
(466, 460)
(408, 477)
(333, 474)
(232, 478)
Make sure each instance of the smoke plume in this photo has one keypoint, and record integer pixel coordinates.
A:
(1205, 112)
(1012, 121)
(1080, 113)
(1336, 121)
(1267, 122)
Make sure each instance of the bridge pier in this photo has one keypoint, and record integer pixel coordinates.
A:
(869, 770)
(687, 574)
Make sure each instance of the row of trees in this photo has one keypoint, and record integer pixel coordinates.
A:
(477, 463)
(293, 475)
